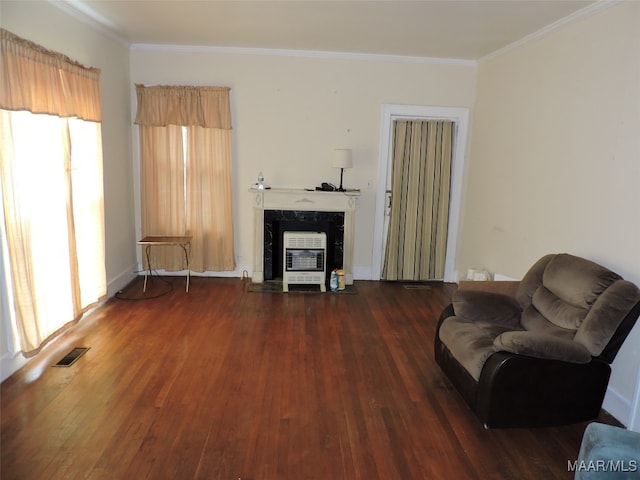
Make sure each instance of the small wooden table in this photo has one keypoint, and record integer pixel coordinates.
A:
(183, 242)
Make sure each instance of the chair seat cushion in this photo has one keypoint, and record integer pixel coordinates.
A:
(470, 343)
(479, 306)
(541, 345)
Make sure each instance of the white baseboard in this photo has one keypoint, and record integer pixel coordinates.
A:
(618, 406)
(121, 280)
(498, 277)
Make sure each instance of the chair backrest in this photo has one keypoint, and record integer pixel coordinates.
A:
(579, 298)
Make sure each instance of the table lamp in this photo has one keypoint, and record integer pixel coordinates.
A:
(342, 159)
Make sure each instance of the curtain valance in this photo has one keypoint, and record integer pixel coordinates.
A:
(42, 81)
(183, 105)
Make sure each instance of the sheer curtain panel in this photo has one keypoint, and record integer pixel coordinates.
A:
(51, 165)
(162, 190)
(185, 155)
(209, 212)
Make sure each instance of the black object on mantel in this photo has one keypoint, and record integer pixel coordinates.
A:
(327, 187)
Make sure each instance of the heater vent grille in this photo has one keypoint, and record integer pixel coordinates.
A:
(304, 259)
(297, 240)
(70, 358)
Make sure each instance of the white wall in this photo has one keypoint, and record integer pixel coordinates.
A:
(290, 112)
(555, 160)
(48, 26)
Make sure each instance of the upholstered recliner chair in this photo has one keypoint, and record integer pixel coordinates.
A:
(542, 356)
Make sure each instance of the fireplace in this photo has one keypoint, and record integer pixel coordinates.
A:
(279, 210)
(277, 222)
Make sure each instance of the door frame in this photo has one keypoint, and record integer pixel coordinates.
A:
(391, 112)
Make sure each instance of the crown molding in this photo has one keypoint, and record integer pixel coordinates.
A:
(588, 11)
(84, 13)
(371, 57)
(88, 16)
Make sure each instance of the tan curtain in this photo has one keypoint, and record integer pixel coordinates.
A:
(209, 212)
(421, 180)
(41, 81)
(207, 107)
(162, 191)
(52, 193)
(199, 202)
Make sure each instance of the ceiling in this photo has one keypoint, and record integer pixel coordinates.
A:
(452, 29)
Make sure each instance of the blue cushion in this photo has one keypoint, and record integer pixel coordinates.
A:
(607, 453)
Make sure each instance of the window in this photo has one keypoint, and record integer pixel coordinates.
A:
(185, 170)
(51, 165)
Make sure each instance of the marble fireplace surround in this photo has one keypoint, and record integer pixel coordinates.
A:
(300, 200)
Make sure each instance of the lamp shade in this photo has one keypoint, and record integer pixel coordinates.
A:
(342, 158)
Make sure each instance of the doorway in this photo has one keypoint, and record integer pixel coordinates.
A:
(390, 114)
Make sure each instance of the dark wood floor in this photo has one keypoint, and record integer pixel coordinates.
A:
(222, 383)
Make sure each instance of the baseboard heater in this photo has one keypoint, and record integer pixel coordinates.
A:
(304, 255)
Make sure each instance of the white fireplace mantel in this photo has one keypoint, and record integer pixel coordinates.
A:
(308, 200)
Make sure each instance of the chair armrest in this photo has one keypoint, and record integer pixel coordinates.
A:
(523, 391)
(542, 345)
